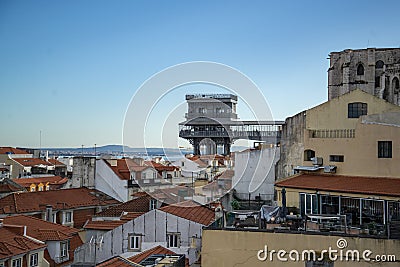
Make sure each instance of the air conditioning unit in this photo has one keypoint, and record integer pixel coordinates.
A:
(330, 169)
(317, 161)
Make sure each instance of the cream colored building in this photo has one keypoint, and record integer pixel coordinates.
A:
(244, 248)
(356, 132)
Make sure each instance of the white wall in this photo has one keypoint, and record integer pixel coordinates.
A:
(108, 182)
(255, 172)
(154, 226)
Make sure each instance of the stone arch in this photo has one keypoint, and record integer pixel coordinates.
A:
(379, 64)
(396, 90)
(360, 69)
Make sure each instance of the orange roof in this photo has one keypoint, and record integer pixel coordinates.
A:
(346, 184)
(13, 242)
(158, 250)
(11, 150)
(117, 262)
(125, 167)
(192, 211)
(112, 224)
(103, 225)
(27, 162)
(160, 167)
(25, 202)
(40, 229)
(54, 180)
(56, 162)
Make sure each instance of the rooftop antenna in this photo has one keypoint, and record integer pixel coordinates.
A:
(40, 143)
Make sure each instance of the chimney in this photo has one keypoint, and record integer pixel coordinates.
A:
(49, 213)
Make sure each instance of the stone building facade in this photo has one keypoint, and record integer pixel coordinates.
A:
(373, 70)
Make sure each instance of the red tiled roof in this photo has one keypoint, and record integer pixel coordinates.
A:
(347, 184)
(158, 250)
(53, 180)
(103, 225)
(11, 150)
(160, 167)
(56, 162)
(117, 262)
(138, 204)
(31, 162)
(12, 243)
(112, 224)
(40, 229)
(59, 199)
(124, 168)
(192, 211)
(8, 188)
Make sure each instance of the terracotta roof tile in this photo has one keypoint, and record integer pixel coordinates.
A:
(103, 225)
(56, 162)
(192, 211)
(347, 184)
(158, 250)
(138, 204)
(53, 180)
(160, 167)
(40, 229)
(12, 243)
(31, 162)
(11, 150)
(24, 202)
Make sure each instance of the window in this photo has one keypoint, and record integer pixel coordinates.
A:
(308, 204)
(33, 260)
(135, 242)
(68, 217)
(377, 81)
(360, 69)
(384, 149)
(396, 84)
(309, 154)
(33, 188)
(336, 158)
(173, 240)
(357, 109)
(183, 164)
(202, 110)
(40, 188)
(64, 247)
(153, 204)
(379, 64)
(16, 263)
(2, 264)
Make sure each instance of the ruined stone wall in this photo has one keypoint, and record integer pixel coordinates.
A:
(380, 75)
(292, 145)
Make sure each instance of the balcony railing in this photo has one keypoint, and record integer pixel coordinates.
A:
(335, 133)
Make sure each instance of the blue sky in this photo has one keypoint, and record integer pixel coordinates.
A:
(70, 68)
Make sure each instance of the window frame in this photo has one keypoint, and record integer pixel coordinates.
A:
(385, 149)
(64, 249)
(135, 239)
(336, 158)
(34, 258)
(173, 240)
(356, 110)
(309, 154)
(66, 216)
(14, 261)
